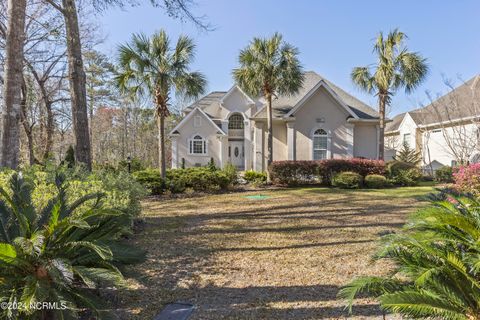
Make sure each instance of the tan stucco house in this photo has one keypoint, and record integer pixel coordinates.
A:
(322, 121)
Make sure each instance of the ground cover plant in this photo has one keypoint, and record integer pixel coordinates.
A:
(436, 263)
(61, 252)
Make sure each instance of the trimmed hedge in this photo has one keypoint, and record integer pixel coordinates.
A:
(255, 176)
(375, 181)
(179, 180)
(314, 172)
(347, 180)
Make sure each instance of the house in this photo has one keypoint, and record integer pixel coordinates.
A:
(322, 121)
(445, 132)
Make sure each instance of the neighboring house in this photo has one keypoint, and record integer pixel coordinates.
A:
(446, 131)
(322, 121)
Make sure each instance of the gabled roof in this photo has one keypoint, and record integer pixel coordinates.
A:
(282, 105)
(462, 102)
(232, 89)
(176, 130)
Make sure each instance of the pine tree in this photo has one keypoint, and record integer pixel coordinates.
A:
(408, 154)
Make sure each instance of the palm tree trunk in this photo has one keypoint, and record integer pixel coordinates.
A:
(10, 137)
(381, 133)
(269, 134)
(77, 80)
(161, 145)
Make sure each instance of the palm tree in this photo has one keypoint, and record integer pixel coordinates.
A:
(396, 68)
(269, 67)
(150, 67)
(437, 264)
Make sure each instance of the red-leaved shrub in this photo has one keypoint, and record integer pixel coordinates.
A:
(467, 179)
(313, 172)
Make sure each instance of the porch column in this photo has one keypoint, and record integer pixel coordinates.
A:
(349, 139)
(247, 144)
(174, 152)
(291, 140)
(258, 141)
(222, 156)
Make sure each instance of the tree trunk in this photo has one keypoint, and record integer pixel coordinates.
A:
(269, 134)
(13, 72)
(161, 145)
(381, 131)
(77, 80)
(26, 125)
(50, 130)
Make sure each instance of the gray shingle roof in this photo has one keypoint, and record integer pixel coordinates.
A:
(283, 104)
(462, 102)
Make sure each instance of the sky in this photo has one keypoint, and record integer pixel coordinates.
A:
(333, 36)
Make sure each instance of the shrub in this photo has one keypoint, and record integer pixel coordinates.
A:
(403, 173)
(308, 172)
(467, 179)
(178, 180)
(151, 179)
(69, 157)
(294, 172)
(444, 174)
(375, 181)
(434, 263)
(231, 172)
(59, 252)
(409, 155)
(347, 180)
(255, 177)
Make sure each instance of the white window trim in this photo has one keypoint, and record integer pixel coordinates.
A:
(329, 142)
(190, 146)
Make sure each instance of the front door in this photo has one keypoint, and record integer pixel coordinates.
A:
(236, 153)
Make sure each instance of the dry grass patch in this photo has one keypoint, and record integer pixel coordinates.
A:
(284, 257)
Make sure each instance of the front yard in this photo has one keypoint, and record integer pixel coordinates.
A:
(281, 257)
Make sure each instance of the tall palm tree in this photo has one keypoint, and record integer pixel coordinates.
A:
(150, 67)
(269, 67)
(396, 68)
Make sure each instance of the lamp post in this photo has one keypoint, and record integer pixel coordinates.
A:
(129, 164)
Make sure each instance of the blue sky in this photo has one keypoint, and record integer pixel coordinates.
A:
(333, 36)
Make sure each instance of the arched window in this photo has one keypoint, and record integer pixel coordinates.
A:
(198, 145)
(235, 122)
(320, 144)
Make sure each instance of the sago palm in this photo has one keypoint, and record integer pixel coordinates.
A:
(269, 67)
(58, 254)
(437, 264)
(396, 68)
(150, 67)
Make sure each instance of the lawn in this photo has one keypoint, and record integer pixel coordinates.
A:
(283, 257)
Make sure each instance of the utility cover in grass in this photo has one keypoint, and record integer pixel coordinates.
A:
(257, 197)
(175, 311)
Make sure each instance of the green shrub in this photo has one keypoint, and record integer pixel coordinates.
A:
(59, 252)
(151, 179)
(69, 160)
(403, 173)
(347, 180)
(444, 174)
(231, 173)
(200, 179)
(375, 181)
(394, 167)
(255, 176)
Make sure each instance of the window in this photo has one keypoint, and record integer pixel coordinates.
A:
(320, 144)
(197, 121)
(235, 122)
(198, 145)
(406, 139)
